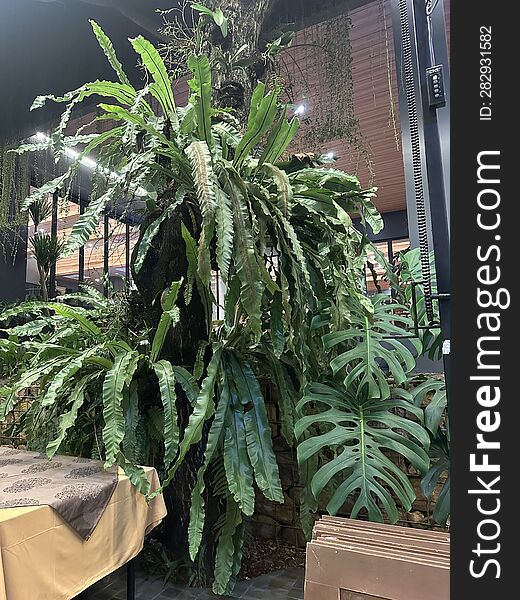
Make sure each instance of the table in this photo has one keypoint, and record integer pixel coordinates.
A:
(42, 558)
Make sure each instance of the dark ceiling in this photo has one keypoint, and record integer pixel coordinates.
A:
(47, 46)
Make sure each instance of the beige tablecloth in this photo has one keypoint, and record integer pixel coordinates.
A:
(42, 558)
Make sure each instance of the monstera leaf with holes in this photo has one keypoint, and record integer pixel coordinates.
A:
(349, 428)
(369, 351)
(353, 434)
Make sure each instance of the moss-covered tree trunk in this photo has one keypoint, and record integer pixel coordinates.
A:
(166, 262)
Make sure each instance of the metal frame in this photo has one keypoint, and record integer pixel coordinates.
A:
(130, 579)
(54, 233)
(127, 255)
(130, 583)
(426, 163)
(81, 252)
(435, 170)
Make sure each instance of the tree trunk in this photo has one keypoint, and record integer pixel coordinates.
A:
(166, 262)
(43, 284)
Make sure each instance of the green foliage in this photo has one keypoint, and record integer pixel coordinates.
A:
(40, 211)
(161, 89)
(217, 16)
(369, 346)
(164, 371)
(10, 358)
(108, 49)
(201, 98)
(47, 250)
(257, 431)
(439, 473)
(230, 541)
(169, 317)
(115, 379)
(295, 310)
(354, 421)
(197, 512)
(432, 394)
(15, 179)
(408, 268)
(88, 368)
(435, 391)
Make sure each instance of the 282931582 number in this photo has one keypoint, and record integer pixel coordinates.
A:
(485, 62)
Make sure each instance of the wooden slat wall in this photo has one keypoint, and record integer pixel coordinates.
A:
(375, 99)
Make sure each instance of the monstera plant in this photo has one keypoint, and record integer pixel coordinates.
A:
(216, 195)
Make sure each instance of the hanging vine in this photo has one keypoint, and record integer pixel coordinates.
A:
(14, 187)
(390, 68)
(317, 71)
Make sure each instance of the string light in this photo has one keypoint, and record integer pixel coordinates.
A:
(71, 153)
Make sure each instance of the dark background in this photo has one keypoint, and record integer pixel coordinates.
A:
(47, 46)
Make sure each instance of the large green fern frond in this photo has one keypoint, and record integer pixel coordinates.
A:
(164, 371)
(114, 422)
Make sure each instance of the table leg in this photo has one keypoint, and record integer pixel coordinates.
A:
(130, 580)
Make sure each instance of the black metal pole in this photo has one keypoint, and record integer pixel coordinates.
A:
(130, 580)
(127, 255)
(425, 157)
(436, 187)
(105, 253)
(54, 234)
(390, 248)
(81, 254)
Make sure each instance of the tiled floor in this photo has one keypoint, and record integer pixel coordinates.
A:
(280, 585)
